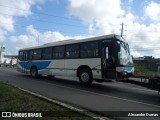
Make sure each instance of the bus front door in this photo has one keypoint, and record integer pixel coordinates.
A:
(24, 62)
(108, 61)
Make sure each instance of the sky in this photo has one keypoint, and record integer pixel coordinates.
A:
(27, 23)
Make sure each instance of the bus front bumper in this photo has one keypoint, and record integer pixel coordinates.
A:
(126, 71)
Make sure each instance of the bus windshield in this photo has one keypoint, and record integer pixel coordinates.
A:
(124, 55)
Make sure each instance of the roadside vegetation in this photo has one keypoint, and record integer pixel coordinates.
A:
(13, 100)
(141, 70)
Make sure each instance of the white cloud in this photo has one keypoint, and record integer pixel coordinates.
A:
(2, 35)
(52, 36)
(94, 9)
(23, 41)
(152, 10)
(31, 30)
(102, 17)
(46, 37)
(10, 9)
(6, 23)
(34, 38)
(105, 17)
(144, 39)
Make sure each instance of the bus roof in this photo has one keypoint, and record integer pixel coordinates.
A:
(72, 41)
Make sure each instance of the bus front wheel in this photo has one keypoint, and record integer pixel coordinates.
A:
(85, 77)
(34, 72)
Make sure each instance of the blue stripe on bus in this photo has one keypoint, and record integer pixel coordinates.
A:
(38, 64)
(128, 68)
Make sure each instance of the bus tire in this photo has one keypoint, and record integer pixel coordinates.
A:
(85, 76)
(34, 72)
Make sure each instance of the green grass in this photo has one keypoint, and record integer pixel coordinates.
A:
(143, 71)
(13, 99)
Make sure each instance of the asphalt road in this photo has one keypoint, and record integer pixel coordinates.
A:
(109, 98)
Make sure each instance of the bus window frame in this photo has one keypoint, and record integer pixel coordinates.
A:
(42, 56)
(79, 44)
(36, 57)
(19, 55)
(98, 43)
(56, 58)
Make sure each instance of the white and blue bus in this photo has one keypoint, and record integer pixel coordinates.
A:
(97, 58)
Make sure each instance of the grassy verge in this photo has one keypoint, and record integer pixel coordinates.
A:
(143, 71)
(14, 100)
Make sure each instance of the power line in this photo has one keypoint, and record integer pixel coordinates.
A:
(47, 21)
(39, 28)
(66, 24)
(122, 29)
(46, 14)
(55, 16)
(152, 49)
(38, 12)
(44, 29)
(142, 36)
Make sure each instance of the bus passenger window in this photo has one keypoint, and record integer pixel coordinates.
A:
(20, 57)
(47, 53)
(72, 51)
(37, 54)
(89, 49)
(58, 52)
(30, 54)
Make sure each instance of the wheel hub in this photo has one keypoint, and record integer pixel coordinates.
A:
(85, 77)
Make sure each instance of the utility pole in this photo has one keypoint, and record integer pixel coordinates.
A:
(122, 29)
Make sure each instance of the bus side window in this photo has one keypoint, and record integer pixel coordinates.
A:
(20, 57)
(89, 49)
(47, 53)
(25, 55)
(72, 51)
(30, 54)
(58, 52)
(37, 54)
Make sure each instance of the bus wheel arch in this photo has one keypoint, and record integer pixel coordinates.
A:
(85, 74)
(34, 71)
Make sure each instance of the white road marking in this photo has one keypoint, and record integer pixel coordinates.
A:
(110, 96)
(148, 90)
(133, 101)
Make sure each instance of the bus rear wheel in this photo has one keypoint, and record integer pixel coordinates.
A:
(85, 77)
(34, 72)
